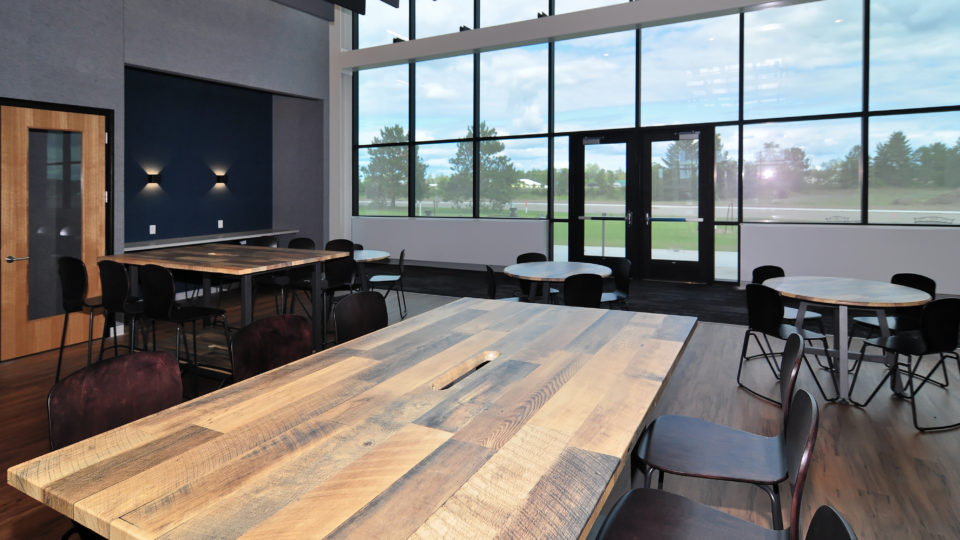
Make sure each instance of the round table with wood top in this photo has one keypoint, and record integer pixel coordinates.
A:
(364, 256)
(844, 293)
(546, 272)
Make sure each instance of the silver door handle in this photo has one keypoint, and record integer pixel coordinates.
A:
(11, 258)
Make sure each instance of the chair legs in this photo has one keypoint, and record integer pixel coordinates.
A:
(767, 353)
(63, 342)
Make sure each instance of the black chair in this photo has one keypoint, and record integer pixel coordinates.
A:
(765, 272)
(765, 319)
(389, 281)
(492, 287)
(688, 446)
(73, 290)
(654, 513)
(938, 334)
(621, 282)
(359, 314)
(905, 319)
(115, 287)
(340, 244)
(110, 394)
(582, 290)
(159, 304)
(525, 284)
(268, 343)
(297, 279)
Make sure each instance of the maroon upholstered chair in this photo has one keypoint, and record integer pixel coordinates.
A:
(268, 343)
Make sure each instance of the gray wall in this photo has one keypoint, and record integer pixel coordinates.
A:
(298, 164)
(74, 53)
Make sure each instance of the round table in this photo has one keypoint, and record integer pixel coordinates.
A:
(844, 293)
(553, 272)
(365, 256)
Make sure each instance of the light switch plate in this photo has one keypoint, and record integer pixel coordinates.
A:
(153, 229)
(219, 223)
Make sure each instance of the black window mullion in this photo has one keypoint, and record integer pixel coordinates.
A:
(355, 90)
(864, 119)
(476, 129)
(551, 110)
(740, 130)
(411, 145)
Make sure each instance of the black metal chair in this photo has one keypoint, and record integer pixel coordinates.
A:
(938, 334)
(297, 279)
(359, 314)
(391, 282)
(525, 284)
(768, 271)
(492, 287)
(621, 282)
(583, 290)
(765, 319)
(905, 319)
(73, 290)
(115, 288)
(688, 446)
(654, 513)
(268, 343)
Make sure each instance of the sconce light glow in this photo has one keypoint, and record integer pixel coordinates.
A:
(153, 178)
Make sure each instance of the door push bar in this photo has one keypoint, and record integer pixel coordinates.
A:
(675, 219)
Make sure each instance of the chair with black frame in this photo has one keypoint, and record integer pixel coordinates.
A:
(768, 271)
(159, 304)
(392, 282)
(938, 334)
(268, 343)
(905, 319)
(110, 394)
(689, 446)
(582, 290)
(296, 279)
(359, 314)
(621, 281)
(525, 284)
(765, 319)
(73, 291)
(492, 287)
(655, 513)
(115, 288)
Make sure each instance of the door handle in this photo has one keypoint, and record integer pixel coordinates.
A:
(630, 218)
(11, 258)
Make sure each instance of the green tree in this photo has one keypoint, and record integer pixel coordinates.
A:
(726, 182)
(893, 163)
(385, 176)
(679, 180)
(933, 164)
(497, 173)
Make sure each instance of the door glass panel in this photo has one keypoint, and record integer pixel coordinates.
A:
(605, 195)
(54, 216)
(675, 195)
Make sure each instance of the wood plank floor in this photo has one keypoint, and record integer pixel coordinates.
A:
(889, 480)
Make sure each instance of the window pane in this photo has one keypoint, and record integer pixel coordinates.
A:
(803, 59)
(382, 23)
(919, 38)
(566, 6)
(725, 186)
(561, 177)
(601, 67)
(444, 98)
(494, 12)
(382, 104)
(383, 181)
(802, 171)
(725, 260)
(561, 243)
(915, 169)
(447, 188)
(513, 178)
(690, 71)
(435, 18)
(513, 90)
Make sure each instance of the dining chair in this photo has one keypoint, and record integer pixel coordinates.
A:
(688, 446)
(938, 334)
(492, 287)
(525, 284)
(268, 343)
(905, 319)
(297, 279)
(73, 295)
(765, 320)
(358, 314)
(621, 281)
(107, 395)
(392, 282)
(115, 288)
(583, 290)
(768, 271)
(655, 513)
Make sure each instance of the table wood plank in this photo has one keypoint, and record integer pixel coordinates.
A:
(229, 259)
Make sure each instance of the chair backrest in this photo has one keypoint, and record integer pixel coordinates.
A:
(940, 325)
(764, 309)
(531, 257)
(358, 314)
(828, 524)
(73, 283)
(111, 393)
(357, 247)
(159, 291)
(790, 364)
(915, 281)
(114, 285)
(301, 242)
(621, 275)
(765, 272)
(799, 439)
(340, 244)
(268, 343)
(583, 290)
(340, 272)
(301, 273)
(491, 283)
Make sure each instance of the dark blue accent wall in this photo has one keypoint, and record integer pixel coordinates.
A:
(186, 129)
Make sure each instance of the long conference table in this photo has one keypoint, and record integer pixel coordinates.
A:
(477, 419)
(241, 261)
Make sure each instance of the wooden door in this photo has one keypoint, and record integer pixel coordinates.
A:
(52, 203)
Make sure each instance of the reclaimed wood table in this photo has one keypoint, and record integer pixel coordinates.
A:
(364, 256)
(239, 261)
(477, 419)
(546, 272)
(842, 294)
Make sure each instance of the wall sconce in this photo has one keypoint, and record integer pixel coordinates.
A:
(221, 178)
(153, 179)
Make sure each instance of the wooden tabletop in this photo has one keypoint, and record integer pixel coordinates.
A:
(370, 255)
(555, 271)
(404, 432)
(848, 291)
(230, 259)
